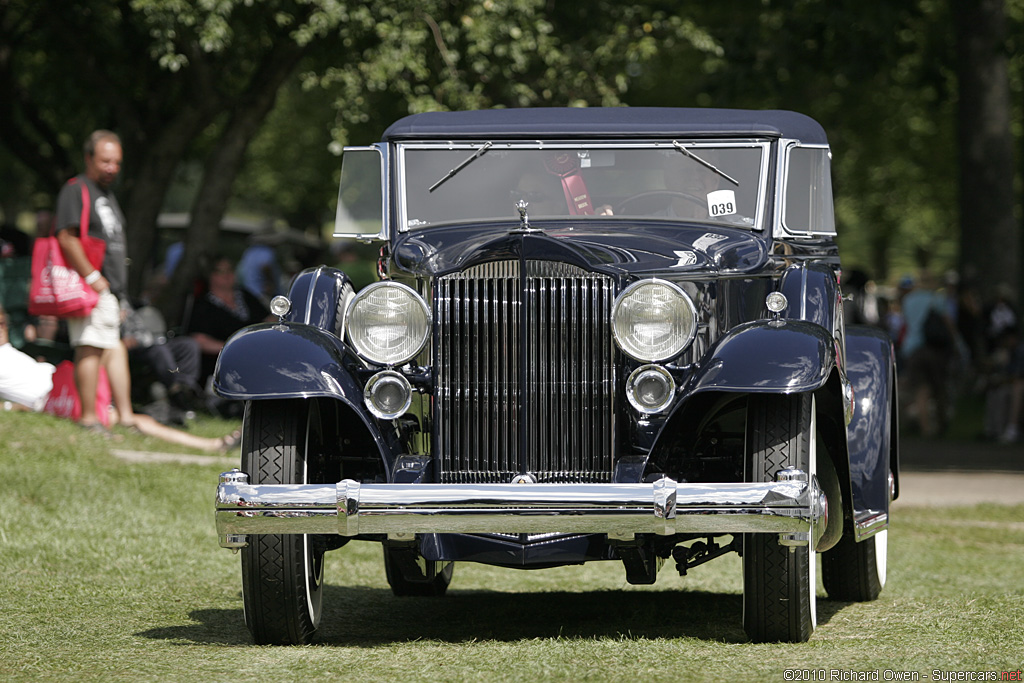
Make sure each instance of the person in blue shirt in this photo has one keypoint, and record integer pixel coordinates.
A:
(258, 270)
(928, 346)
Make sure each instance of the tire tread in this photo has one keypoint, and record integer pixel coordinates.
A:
(849, 572)
(272, 564)
(776, 424)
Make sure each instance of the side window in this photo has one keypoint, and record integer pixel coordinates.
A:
(361, 195)
(807, 206)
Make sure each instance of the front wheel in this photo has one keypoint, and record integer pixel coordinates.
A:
(282, 574)
(779, 602)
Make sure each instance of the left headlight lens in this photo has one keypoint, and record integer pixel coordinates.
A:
(388, 395)
(653, 320)
(387, 323)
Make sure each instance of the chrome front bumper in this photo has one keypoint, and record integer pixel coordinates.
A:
(790, 506)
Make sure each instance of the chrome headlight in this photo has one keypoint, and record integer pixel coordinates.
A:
(653, 320)
(387, 323)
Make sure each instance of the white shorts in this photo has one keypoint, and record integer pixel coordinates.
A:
(101, 328)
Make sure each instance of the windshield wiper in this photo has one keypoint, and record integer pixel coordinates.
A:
(678, 145)
(451, 174)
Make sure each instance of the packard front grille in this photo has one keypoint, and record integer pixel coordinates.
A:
(525, 379)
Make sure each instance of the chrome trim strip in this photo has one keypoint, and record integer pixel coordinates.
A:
(310, 295)
(664, 507)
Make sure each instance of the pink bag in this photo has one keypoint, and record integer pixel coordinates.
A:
(64, 402)
(57, 289)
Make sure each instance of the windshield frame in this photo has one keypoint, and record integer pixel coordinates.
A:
(471, 147)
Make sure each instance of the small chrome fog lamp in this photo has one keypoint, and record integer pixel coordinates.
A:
(776, 302)
(387, 395)
(280, 305)
(650, 389)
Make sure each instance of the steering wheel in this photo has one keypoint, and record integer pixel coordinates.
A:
(650, 194)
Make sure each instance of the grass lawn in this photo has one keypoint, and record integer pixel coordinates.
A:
(111, 571)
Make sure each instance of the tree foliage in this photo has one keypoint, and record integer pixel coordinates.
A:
(260, 96)
(172, 77)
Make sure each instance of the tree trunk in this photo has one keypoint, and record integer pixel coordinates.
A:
(147, 187)
(202, 236)
(990, 238)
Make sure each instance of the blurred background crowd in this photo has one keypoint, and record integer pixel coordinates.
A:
(959, 355)
(233, 115)
(172, 364)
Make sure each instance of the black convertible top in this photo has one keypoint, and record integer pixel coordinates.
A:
(614, 122)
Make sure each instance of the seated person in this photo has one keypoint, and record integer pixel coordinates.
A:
(172, 361)
(27, 383)
(541, 193)
(220, 312)
(556, 189)
(46, 338)
(258, 270)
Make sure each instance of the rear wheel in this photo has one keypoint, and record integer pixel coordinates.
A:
(779, 603)
(282, 574)
(854, 571)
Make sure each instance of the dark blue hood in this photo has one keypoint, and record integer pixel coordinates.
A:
(612, 248)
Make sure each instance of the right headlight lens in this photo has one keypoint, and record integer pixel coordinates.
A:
(388, 323)
(653, 320)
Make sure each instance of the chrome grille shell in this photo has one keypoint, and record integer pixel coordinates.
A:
(525, 373)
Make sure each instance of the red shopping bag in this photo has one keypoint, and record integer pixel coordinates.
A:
(57, 289)
(64, 401)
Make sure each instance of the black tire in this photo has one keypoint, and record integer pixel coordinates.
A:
(434, 588)
(855, 572)
(282, 575)
(779, 603)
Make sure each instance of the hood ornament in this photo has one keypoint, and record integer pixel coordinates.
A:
(524, 219)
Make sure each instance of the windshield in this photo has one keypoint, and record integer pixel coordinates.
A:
(720, 182)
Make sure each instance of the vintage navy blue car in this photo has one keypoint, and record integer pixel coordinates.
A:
(598, 334)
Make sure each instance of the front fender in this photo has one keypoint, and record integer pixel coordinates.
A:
(319, 296)
(285, 360)
(768, 356)
(872, 432)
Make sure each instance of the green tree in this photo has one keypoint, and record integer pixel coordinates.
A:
(166, 75)
(183, 79)
(878, 78)
(235, 87)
